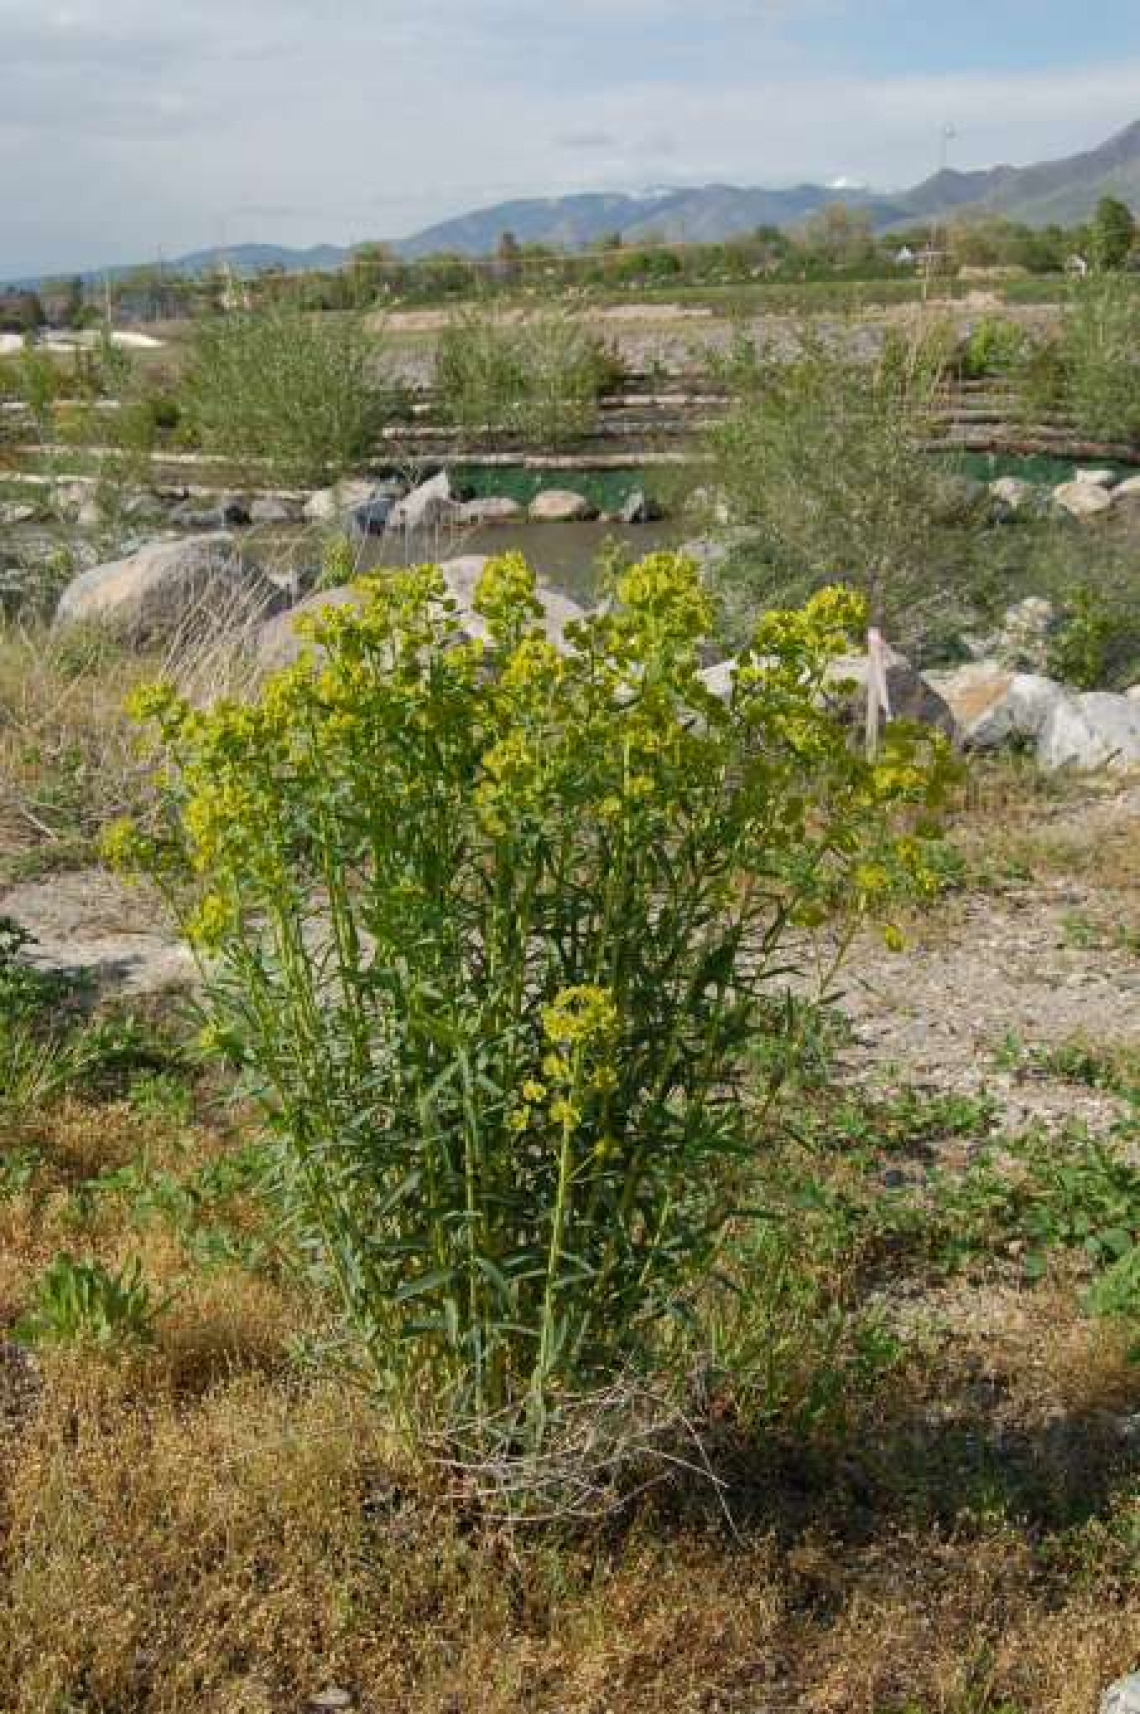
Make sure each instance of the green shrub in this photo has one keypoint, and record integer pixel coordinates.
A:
(83, 1302)
(536, 379)
(1101, 353)
(1042, 379)
(996, 346)
(1080, 650)
(821, 461)
(299, 393)
(490, 926)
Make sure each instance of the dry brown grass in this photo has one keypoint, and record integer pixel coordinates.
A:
(198, 1528)
(1011, 818)
(240, 1549)
(68, 761)
(70, 758)
(204, 1526)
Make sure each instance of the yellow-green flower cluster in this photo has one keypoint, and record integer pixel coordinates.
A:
(664, 598)
(506, 596)
(212, 923)
(580, 1015)
(824, 625)
(581, 1024)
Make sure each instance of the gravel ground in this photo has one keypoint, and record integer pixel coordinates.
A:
(1044, 962)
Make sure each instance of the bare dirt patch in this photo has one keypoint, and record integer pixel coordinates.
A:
(1052, 957)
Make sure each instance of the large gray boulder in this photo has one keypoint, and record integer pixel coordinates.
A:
(167, 585)
(993, 707)
(1129, 489)
(427, 506)
(113, 933)
(329, 504)
(1016, 493)
(278, 644)
(911, 696)
(1083, 500)
(561, 506)
(495, 509)
(1095, 730)
(1123, 1697)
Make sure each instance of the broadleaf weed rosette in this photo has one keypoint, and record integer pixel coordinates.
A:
(492, 922)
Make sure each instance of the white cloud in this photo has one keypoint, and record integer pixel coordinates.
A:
(128, 127)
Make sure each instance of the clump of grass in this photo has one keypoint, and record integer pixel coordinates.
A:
(68, 761)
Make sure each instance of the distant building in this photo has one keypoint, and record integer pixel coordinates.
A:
(905, 257)
(1077, 265)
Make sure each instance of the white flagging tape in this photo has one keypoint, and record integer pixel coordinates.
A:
(878, 692)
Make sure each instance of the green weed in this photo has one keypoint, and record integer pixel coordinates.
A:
(502, 1059)
(83, 1302)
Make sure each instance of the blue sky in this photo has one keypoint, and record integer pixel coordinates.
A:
(130, 127)
(892, 36)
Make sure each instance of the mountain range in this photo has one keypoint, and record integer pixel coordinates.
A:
(1065, 191)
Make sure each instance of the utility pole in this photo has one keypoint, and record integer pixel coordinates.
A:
(945, 137)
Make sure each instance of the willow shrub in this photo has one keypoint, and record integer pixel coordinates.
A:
(537, 379)
(276, 389)
(490, 924)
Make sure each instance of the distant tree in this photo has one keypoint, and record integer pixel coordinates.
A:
(1113, 233)
(840, 235)
(373, 268)
(75, 302)
(771, 244)
(21, 312)
(444, 274)
(63, 302)
(1040, 250)
(974, 244)
(509, 257)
